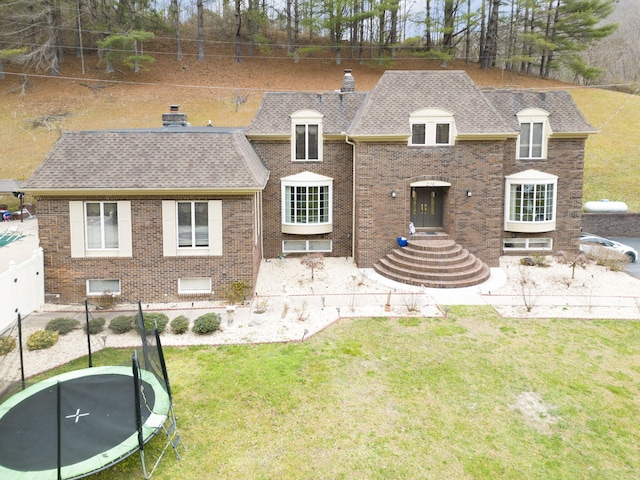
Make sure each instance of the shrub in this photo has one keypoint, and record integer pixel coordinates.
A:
(62, 325)
(179, 325)
(96, 325)
(207, 323)
(150, 319)
(122, 324)
(236, 292)
(42, 339)
(614, 261)
(7, 344)
(106, 300)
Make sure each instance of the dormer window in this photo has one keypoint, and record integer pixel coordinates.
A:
(306, 136)
(534, 133)
(432, 127)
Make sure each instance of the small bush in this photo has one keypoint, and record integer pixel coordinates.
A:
(207, 323)
(106, 300)
(150, 319)
(122, 324)
(614, 261)
(7, 344)
(62, 325)
(96, 325)
(41, 339)
(235, 292)
(179, 325)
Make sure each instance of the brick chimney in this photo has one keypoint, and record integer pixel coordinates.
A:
(174, 118)
(348, 83)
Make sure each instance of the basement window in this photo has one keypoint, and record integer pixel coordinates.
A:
(96, 287)
(306, 246)
(523, 244)
(194, 285)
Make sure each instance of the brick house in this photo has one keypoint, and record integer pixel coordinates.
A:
(478, 173)
(158, 215)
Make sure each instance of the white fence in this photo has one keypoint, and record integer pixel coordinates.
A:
(22, 288)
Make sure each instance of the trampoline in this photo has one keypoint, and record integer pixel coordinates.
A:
(77, 423)
(98, 422)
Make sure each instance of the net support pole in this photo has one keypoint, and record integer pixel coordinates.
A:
(86, 311)
(59, 429)
(163, 364)
(21, 353)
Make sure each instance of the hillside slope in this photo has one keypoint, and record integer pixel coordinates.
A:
(37, 108)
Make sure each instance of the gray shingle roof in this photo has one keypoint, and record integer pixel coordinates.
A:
(564, 116)
(399, 93)
(155, 159)
(273, 116)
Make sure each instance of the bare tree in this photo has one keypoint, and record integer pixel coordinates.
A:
(174, 13)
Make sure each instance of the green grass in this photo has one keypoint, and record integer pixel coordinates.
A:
(427, 398)
(612, 159)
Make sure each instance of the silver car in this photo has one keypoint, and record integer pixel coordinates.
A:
(588, 241)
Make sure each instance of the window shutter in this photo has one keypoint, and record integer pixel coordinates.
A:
(124, 229)
(215, 227)
(169, 236)
(76, 229)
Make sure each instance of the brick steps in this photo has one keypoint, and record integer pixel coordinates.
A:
(434, 261)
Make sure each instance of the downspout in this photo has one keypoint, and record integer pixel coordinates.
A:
(353, 195)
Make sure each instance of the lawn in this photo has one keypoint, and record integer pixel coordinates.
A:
(470, 396)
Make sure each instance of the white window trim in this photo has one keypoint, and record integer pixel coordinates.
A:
(185, 290)
(306, 117)
(535, 115)
(529, 177)
(287, 246)
(77, 231)
(526, 244)
(91, 293)
(430, 117)
(305, 179)
(170, 231)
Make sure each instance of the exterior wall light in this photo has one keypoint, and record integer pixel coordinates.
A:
(393, 194)
(469, 193)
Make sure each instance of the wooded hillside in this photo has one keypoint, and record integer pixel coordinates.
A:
(548, 38)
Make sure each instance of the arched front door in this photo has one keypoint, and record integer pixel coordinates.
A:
(426, 206)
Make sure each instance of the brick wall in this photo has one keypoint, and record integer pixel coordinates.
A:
(148, 275)
(472, 221)
(612, 224)
(336, 164)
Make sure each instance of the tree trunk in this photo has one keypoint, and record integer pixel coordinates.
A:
(289, 32)
(547, 38)
(175, 18)
(547, 70)
(200, 14)
(238, 27)
(296, 31)
(491, 44)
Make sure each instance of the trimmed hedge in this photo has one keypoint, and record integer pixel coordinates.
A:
(122, 324)
(207, 323)
(41, 339)
(7, 344)
(62, 325)
(96, 325)
(150, 319)
(179, 325)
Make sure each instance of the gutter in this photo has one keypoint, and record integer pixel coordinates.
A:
(353, 195)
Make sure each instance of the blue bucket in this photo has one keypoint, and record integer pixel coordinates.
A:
(402, 241)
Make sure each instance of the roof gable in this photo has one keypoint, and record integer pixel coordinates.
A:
(274, 114)
(564, 115)
(387, 108)
(144, 160)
